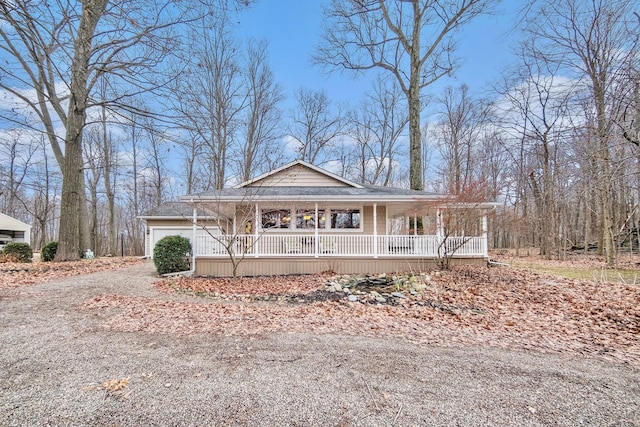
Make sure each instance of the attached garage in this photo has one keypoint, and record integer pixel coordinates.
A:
(155, 233)
(12, 230)
(171, 219)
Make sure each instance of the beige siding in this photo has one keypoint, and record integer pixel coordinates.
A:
(298, 176)
(292, 265)
(367, 219)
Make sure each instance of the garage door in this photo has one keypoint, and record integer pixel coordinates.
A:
(157, 233)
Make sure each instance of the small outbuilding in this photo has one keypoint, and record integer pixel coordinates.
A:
(13, 230)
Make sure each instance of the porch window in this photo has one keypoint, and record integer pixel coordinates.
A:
(276, 218)
(345, 218)
(306, 219)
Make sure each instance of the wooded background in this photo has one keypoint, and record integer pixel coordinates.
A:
(110, 108)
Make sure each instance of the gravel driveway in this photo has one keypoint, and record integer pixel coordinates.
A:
(57, 356)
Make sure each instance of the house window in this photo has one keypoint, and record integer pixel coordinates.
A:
(345, 218)
(276, 218)
(306, 219)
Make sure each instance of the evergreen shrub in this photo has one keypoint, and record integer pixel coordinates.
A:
(171, 254)
(48, 252)
(21, 252)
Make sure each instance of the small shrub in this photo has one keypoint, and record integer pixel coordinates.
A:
(48, 252)
(21, 251)
(171, 254)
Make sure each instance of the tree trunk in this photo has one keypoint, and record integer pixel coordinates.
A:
(73, 209)
(112, 240)
(415, 107)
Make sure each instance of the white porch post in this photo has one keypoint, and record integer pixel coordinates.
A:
(485, 235)
(231, 240)
(235, 227)
(375, 230)
(439, 225)
(194, 248)
(255, 231)
(316, 242)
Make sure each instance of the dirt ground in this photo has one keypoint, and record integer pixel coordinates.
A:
(70, 357)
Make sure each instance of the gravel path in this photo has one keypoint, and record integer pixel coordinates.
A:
(56, 356)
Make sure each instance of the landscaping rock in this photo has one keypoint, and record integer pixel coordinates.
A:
(398, 295)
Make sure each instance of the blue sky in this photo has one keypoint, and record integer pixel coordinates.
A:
(293, 27)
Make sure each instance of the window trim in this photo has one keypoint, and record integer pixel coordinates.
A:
(325, 210)
(360, 227)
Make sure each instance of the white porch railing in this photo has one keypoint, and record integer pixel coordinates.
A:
(337, 245)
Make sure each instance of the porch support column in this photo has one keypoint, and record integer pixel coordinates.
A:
(316, 242)
(485, 235)
(254, 244)
(439, 230)
(194, 248)
(375, 230)
(234, 231)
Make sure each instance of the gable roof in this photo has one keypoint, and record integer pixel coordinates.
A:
(301, 181)
(294, 173)
(283, 185)
(12, 224)
(175, 210)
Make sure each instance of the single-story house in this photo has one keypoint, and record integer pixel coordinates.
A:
(301, 219)
(12, 230)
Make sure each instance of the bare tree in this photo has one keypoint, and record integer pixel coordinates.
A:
(209, 96)
(458, 134)
(17, 149)
(262, 117)
(133, 184)
(592, 39)
(60, 50)
(413, 40)
(314, 125)
(94, 165)
(41, 200)
(156, 174)
(378, 124)
(538, 109)
(192, 149)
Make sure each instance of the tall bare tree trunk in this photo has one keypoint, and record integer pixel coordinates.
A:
(73, 206)
(112, 240)
(415, 105)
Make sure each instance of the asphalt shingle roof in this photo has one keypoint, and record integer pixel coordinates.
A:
(174, 209)
(368, 191)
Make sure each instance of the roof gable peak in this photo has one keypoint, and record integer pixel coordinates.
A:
(329, 176)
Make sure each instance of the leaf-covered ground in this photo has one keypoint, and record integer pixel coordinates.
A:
(14, 275)
(503, 307)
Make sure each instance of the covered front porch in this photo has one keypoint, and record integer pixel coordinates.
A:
(316, 245)
(382, 241)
